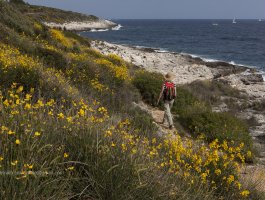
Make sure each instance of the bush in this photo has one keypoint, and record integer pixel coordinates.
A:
(52, 58)
(184, 100)
(212, 91)
(26, 77)
(221, 126)
(149, 85)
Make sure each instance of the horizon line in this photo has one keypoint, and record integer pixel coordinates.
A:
(184, 18)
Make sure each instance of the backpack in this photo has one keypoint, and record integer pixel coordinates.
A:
(169, 91)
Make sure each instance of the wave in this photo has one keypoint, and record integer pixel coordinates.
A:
(216, 60)
(259, 71)
(140, 47)
(201, 57)
(161, 51)
(98, 30)
(116, 28)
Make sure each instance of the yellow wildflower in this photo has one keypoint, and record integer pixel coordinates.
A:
(20, 89)
(81, 112)
(244, 193)
(217, 171)
(14, 163)
(27, 106)
(69, 119)
(71, 168)
(6, 103)
(10, 132)
(37, 134)
(230, 179)
(60, 116)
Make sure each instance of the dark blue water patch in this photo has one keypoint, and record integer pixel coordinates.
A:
(243, 42)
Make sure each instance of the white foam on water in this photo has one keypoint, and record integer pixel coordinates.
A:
(140, 47)
(98, 30)
(198, 56)
(116, 28)
(192, 55)
(161, 51)
(209, 60)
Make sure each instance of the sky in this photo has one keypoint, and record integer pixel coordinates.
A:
(162, 9)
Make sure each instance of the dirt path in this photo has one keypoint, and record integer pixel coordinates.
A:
(157, 116)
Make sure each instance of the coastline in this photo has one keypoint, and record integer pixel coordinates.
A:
(188, 69)
(100, 24)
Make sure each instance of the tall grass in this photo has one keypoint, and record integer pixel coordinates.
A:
(64, 148)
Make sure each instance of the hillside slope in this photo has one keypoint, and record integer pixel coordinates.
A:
(58, 18)
(69, 130)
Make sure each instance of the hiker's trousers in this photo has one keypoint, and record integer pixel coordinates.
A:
(168, 105)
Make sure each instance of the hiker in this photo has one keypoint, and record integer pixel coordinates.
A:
(169, 94)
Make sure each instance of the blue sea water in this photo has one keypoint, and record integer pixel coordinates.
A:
(241, 43)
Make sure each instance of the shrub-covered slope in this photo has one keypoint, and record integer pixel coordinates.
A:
(68, 129)
(47, 14)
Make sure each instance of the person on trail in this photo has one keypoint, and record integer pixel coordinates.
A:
(168, 92)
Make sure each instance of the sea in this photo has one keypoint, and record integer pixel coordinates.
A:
(242, 42)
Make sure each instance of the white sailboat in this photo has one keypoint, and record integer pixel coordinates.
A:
(260, 20)
(234, 21)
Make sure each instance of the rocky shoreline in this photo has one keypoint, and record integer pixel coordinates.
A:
(188, 69)
(84, 25)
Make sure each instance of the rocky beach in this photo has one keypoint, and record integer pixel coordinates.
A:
(99, 24)
(188, 69)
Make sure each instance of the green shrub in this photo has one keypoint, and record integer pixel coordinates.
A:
(20, 75)
(52, 58)
(149, 85)
(221, 126)
(211, 91)
(183, 100)
(142, 122)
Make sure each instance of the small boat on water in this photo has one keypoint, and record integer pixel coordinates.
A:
(215, 24)
(260, 20)
(234, 21)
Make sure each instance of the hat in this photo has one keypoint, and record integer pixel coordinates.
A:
(169, 76)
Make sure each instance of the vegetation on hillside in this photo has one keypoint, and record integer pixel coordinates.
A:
(68, 129)
(195, 113)
(47, 14)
